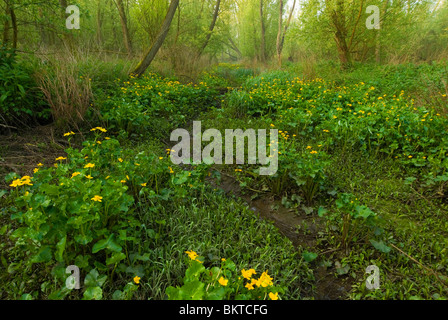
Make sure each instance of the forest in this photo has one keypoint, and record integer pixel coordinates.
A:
(116, 182)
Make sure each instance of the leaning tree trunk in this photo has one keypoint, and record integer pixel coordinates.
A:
(210, 29)
(282, 41)
(144, 64)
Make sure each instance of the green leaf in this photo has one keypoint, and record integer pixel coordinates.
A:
(193, 271)
(322, 211)
(93, 293)
(217, 294)
(60, 248)
(108, 243)
(44, 255)
(309, 256)
(93, 279)
(380, 245)
(115, 258)
(173, 293)
(193, 290)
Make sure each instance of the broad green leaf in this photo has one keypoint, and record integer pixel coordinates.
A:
(193, 271)
(193, 290)
(217, 294)
(380, 245)
(93, 293)
(93, 279)
(309, 256)
(115, 258)
(108, 243)
(44, 255)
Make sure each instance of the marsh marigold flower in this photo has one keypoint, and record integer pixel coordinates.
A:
(76, 174)
(137, 279)
(248, 273)
(273, 296)
(89, 165)
(223, 281)
(193, 255)
(97, 198)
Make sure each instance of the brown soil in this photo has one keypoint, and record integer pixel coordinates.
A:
(21, 152)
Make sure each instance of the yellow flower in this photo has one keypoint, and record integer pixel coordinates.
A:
(123, 181)
(143, 184)
(40, 165)
(16, 183)
(61, 158)
(250, 286)
(69, 134)
(36, 170)
(193, 255)
(264, 281)
(99, 128)
(119, 159)
(160, 158)
(248, 274)
(89, 165)
(223, 281)
(107, 138)
(76, 174)
(137, 279)
(99, 142)
(89, 177)
(273, 296)
(97, 198)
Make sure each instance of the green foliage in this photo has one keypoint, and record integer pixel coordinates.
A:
(223, 283)
(19, 101)
(156, 106)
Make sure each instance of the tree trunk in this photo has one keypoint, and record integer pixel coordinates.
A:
(338, 19)
(6, 25)
(67, 37)
(263, 35)
(279, 33)
(99, 25)
(235, 48)
(124, 26)
(286, 27)
(144, 64)
(210, 29)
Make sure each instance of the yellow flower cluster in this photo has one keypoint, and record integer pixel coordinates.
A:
(24, 181)
(264, 280)
(99, 129)
(193, 255)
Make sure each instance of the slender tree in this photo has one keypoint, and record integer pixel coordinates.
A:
(149, 57)
(210, 29)
(124, 26)
(263, 35)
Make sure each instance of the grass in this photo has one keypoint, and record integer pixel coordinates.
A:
(361, 166)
